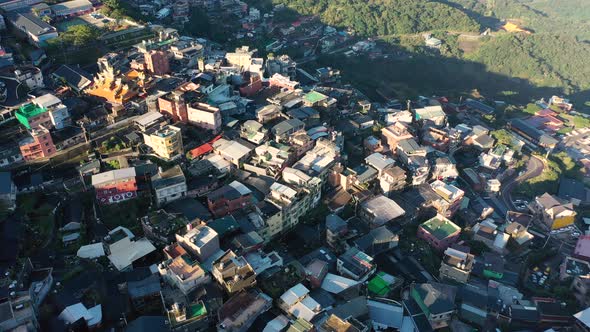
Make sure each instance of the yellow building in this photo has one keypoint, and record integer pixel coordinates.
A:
(556, 213)
(165, 141)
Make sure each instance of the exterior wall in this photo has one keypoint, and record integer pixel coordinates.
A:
(206, 119)
(41, 147)
(440, 245)
(223, 207)
(117, 191)
(562, 222)
(174, 108)
(169, 194)
(168, 147)
(453, 273)
(157, 62)
(59, 117)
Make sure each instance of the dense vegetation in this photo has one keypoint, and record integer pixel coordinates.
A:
(544, 59)
(385, 17)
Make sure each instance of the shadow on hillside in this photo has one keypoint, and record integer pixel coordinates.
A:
(419, 74)
(485, 21)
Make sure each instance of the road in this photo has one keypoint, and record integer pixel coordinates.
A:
(534, 168)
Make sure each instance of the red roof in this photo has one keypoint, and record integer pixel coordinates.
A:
(546, 112)
(201, 150)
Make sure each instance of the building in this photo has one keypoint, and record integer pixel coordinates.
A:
(317, 161)
(241, 310)
(556, 214)
(71, 8)
(380, 210)
(7, 190)
(169, 185)
(456, 265)
(233, 273)
(395, 133)
(283, 82)
(232, 151)
(297, 302)
(30, 76)
(76, 312)
(439, 232)
(174, 104)
(393, 179)
(355, 264)
(156, 62)
(37, 31)
(111, 85)
(166, 141)
(57, 111)
(451, 194)
(182, 270)
(377, 241)
(431, 115)
(162, 226)
(201, 241)
(38, 145)
(115, 186)
(533, 135)
(336, 228)
(284, 129)
(229, 198)
(186, 317)
(31, 116)
(123, 249)
(582, 321)
(437, 302)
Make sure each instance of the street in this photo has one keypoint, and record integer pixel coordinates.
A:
(534, 168)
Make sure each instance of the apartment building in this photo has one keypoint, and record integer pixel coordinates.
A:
(166, 141)
(233, 272)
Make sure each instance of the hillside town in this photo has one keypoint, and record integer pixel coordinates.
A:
(178, 184)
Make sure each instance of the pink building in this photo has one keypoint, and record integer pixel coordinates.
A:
(582, 250)
(439, 232)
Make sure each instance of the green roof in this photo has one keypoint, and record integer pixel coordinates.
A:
(25, 112)
(314, 97)
(440, 227)
(196, 310)
(224, 225)
(381, 284)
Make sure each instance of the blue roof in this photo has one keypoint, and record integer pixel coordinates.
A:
(5, 182)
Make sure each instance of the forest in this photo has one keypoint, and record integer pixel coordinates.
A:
(385, 17)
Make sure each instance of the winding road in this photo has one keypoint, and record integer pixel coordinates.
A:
(534, 168)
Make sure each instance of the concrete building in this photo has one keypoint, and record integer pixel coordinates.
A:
(395, 133)
(393, 179)
(201, 241)
(37, 31)
(166, 141)
(38, 145)
(174, 104)
(456, 265)
(58, 112)
(169, 185)
(555, 212)
(72, 8)
(439, 232)
(298, 303)
(233, 272)
(156, 62)
(232, 151)
(182, 271)
(204, 116)
(437, 302)
(31, 116)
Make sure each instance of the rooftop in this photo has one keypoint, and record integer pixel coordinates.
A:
(440, 227)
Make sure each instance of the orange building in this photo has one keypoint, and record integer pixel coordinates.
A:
(113, 87)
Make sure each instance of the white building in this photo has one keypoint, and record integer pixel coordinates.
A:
(58, 112)
(201, 241)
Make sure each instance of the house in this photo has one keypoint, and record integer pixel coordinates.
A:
(437, 302)
(377, 241)
(181, 270)
(32, 116)
(123, 249)
(449, 193)
(582, 321)
(7, 190)
(253, 132)
(144, 291)
(92, 317)
(431, 116)
(297, 302)
(348, 324)
(232, 151)
(37, 31)
(487, 232)
(443, 168)
(383, 284)
(115, 186)
(241, 310)
(201, 241)
(582, 249)
(380, 210)
(336, 228)
(395, 133)
(286, 128)
(355, 264)
(456, 265)
(439, 232)
(380, 162)
(393, 179)
(169, 185)
(233, 272)
(556, 214)
(166, 141)
(268, 113)
(187, 316)
(229, 198)
(74, 77)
